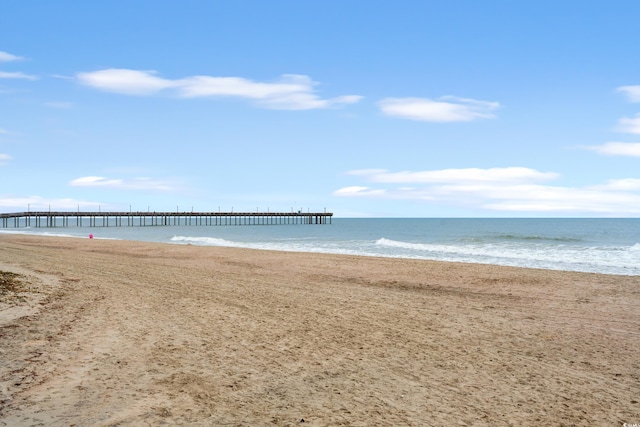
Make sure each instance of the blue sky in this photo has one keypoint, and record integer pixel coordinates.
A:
(365, 109)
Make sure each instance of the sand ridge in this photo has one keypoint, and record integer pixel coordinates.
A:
(134, 333)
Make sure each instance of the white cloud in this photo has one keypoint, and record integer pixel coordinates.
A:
(445, 109)
(128, 82)
(474, 175)
(95, 181)
(122, 184)
(7, 57)
(513, 189)
(4, 159)
(564, 199)
(627, 184)
(618, 149)
(632, 92)
(629, 125)
(290, 92)
(356, 191)
(16, 75)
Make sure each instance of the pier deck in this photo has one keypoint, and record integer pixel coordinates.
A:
(120, 219)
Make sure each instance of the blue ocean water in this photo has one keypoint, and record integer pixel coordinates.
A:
(610, 246)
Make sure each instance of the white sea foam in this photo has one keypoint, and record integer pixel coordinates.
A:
(9, 231)
(599, 246)
(205, 241)
(28, 231)
(407, 245)
(618, 260)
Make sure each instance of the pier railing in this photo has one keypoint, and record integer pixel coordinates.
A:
(120, 219)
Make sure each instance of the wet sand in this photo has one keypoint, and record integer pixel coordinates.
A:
(127, 333)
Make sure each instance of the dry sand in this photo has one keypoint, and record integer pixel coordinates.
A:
(132, 334)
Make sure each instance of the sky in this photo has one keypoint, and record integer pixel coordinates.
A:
(406, 108)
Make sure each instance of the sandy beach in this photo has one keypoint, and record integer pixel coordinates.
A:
(105, 332)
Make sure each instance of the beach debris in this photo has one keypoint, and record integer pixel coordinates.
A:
(12, 285)
(11, 282)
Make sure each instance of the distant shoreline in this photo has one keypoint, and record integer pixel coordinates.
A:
(96, 236)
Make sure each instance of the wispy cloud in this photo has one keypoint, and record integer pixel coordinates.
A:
(627, 184)
(512, 189)
(290, 92)
(4, 159)
(629, 125)
(444, 109)
(122, 184)
(631, 92)
(474, 175)
(7, 57)
(359, 191)
(16, 75)
(124, 81)
(617, 149)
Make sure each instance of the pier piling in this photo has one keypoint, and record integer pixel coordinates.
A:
(143, 219)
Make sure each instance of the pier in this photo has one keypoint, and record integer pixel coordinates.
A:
(143, 219)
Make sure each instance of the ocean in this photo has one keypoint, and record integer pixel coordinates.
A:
(609, 246)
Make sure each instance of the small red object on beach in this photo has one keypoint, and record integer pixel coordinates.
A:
(91, 235)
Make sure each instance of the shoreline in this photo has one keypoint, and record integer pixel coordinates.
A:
(129, 332)
(23, 233)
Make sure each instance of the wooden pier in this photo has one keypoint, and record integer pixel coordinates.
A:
(143, 219)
